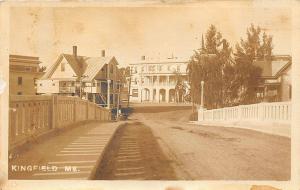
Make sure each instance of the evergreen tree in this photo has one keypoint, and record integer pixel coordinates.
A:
(247, 73)
(207, 64)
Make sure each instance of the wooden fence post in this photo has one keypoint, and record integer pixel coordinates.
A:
(53, 112)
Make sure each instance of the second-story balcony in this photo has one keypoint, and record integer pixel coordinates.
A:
(92, 89)
(166, 84)
(67, 89)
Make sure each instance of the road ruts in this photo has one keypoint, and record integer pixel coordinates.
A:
(134, 154)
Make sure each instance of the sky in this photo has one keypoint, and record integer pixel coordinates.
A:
(131, 32)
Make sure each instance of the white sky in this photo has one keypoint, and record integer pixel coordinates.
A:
(130, 32)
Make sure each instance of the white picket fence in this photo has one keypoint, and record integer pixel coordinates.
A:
(279, 112)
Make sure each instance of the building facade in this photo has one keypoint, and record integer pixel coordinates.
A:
(24, 71)
(157, 80)
(91, 78)
(276, 82)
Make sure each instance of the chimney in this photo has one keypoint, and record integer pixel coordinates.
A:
(75, 51)
(103, 53)
(143, 58)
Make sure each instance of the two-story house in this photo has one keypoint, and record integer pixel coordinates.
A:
(276, 82)
(24, 71)
(86, 77)
(156, 80)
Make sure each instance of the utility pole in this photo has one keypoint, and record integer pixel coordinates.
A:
(108, 87)
(193, 103)
(202, 94)
(129, 88)
(118, 101)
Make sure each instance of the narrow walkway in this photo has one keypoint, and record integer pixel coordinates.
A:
(72, 154)
(135, 155)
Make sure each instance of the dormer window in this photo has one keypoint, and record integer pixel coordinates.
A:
(111, 68)
(62, 67)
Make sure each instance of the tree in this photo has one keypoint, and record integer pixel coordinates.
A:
(123, 73)
(208, 64)
(247, 73)
(179, 87)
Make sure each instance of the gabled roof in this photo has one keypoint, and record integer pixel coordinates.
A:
(283, 68)
(278, 66)
(272, 69)
(78, 64)
(82, 66)
(94, 65)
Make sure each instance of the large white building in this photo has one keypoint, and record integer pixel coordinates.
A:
(155, 80)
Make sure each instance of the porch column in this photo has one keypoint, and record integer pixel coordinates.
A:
(265, 93)
(141, 90)
(114, 97)
(154, 95)
(157, 95)
(150, 94)
(108, 94)
(167, 94)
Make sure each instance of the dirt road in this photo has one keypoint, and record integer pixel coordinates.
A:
(216, 153)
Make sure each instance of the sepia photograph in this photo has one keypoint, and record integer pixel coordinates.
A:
(158, 92)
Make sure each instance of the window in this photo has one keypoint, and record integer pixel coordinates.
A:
(53, 84)
(135, 93)
(20, 80)
(142, 69)
(35, 81)
(19, 93)
(63, 67)
(151, 68)
(41, 84)
(160, 68)
(178, 68)
(290, 91)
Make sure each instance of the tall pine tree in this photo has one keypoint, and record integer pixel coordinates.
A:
(207, 64)
(256, 46)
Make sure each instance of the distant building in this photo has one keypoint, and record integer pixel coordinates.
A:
(74, 75)
(24, 71)
(155, 80)
(276, 82)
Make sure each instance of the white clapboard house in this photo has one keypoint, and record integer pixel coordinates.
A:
(86, 77)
